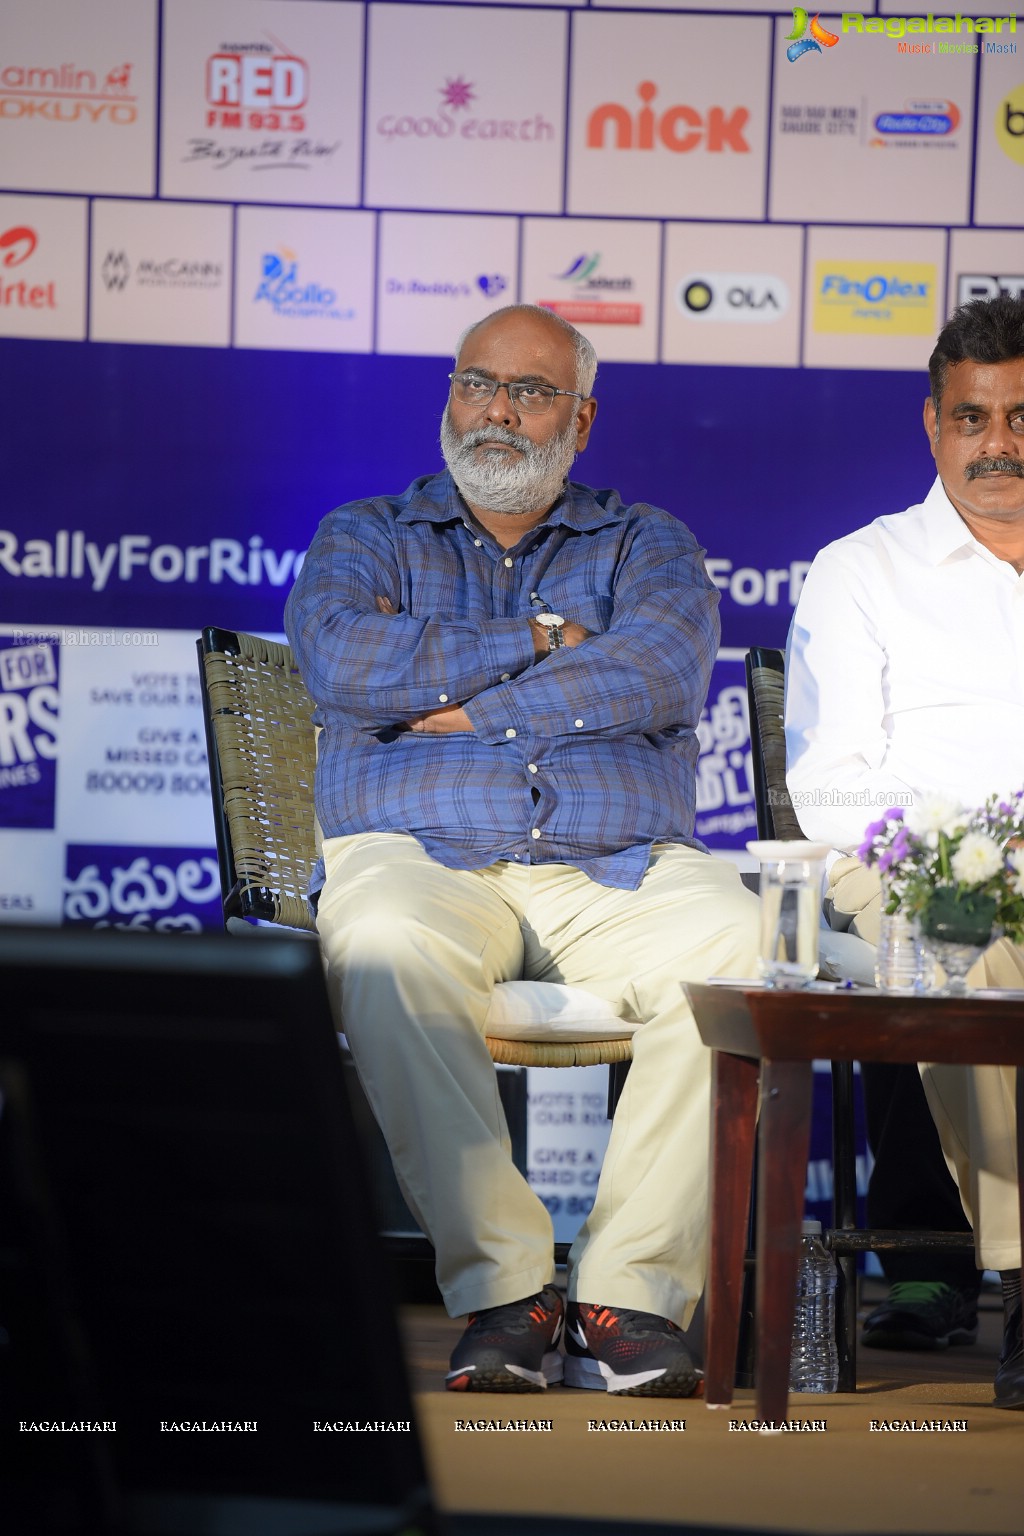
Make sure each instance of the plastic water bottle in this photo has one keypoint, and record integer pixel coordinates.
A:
(814, 1360)
(899, 960)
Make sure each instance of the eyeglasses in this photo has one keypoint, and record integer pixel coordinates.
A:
(476, 389)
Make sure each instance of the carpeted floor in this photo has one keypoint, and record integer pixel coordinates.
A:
(850, 1478)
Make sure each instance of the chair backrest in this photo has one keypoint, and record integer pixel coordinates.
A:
(776, 817)
(262, 752)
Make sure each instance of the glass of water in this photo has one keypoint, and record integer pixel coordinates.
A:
(790, 890)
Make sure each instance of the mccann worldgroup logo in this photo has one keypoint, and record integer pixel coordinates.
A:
(116, 270)
(159, 272)
(745, 296)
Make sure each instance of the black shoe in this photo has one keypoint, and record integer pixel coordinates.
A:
(1010, 1375)
(922, 1314)
(630, 1354)
(513, 1348)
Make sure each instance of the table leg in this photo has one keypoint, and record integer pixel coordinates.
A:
(733, 1118)
(782, 1180)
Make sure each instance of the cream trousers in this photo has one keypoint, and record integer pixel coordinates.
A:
(413, 951)
(973, 1107)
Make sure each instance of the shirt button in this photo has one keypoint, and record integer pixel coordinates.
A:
(506, 677)
(532, 767)
(510, 733)
(442, 698)
(536, 832)
(509, 560)
(479, 543)
(578, 724)
(534, 597)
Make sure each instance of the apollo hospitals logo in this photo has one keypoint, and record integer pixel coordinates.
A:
(457, 96)
(64, 93)
(292, 297)
(29, 711)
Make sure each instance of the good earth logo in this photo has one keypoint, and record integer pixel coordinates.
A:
(456, 96)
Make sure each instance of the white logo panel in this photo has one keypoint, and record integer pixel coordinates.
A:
(601, 276)
(304, 280)
(42, 267)
(984, 263)
(465, 111)
(77, 88)
(865, 132)
(262, 100)
(439, 274)
(669, 116)
(732, 294)
(999, 179)
(161, 273)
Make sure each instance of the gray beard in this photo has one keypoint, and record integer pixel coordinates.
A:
(499, 483)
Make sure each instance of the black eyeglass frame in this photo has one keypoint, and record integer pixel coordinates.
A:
(515, 389)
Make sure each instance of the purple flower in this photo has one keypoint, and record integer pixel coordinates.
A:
(901, 844)
(897, 813)
(885, 858)
(874, 829)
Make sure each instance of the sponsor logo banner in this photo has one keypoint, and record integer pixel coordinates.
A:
(161, 273)
(262, 101)
(977, 285)
(77, 95)
(478, 125)
(42, 267)
(999, 171)
(163, 890)
(757, 297)
(726, 817)
(862, 297)
(304, 279)
(602, 276)
(716, 311)
(439, 274)
(668, 115)
(29, 716)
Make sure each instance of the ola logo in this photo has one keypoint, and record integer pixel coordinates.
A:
(697, 296)
(1010, 124)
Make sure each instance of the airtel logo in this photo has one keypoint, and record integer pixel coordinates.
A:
(678, 128)
(17, 245)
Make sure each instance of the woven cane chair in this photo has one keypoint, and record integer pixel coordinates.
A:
(262, 754)
(845, 954)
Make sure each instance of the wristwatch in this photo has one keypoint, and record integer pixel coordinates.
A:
(552, 622)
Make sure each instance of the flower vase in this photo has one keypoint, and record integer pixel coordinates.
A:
(958, 932)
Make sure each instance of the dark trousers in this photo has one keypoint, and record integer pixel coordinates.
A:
(910, 1185)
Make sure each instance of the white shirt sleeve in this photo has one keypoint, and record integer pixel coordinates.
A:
(836, 710)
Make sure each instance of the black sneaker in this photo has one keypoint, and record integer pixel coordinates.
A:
(922, 1314)
(512, 1348)
(631, 1354)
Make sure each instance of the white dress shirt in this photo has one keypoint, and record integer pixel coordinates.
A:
(905, 673)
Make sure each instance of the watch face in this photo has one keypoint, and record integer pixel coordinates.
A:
(549, 620)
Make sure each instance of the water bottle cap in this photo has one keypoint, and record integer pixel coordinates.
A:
(810, 1228)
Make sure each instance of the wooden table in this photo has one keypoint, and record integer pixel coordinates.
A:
(772, 1038)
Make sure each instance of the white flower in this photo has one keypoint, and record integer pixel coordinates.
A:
(932, 814)
(977, 859)
(1015, 857)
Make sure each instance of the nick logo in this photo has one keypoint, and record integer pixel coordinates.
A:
(679, 128)
(798, 44)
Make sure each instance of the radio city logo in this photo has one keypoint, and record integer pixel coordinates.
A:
(1010, 125)
(679, 128)
(918, 119)
(63, 93)
(17, 244)
(858, 297)
(457, 95)
(256, 85)
(588, 306)
(290, 297)
(799, 44)
(988, 286)
(751, 296)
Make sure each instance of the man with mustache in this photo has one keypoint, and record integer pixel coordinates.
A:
(509, 670)
(905, 678)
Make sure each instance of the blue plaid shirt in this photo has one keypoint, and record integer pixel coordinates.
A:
(586, 757)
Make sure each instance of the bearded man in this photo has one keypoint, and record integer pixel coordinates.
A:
(509, 670)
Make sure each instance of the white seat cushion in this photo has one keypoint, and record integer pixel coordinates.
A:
(544, 1010)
